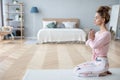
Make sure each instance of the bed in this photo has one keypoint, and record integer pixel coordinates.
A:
(61, 34)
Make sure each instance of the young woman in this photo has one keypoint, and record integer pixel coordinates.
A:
(99, 42)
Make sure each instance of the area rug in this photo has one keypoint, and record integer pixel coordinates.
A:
(34, 41)
(66, 75)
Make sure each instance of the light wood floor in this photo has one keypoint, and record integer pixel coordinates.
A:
(17, 57)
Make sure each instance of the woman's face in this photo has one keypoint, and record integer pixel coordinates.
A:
(98, 20)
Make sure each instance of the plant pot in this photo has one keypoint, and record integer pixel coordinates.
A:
(15, 2)
(17, 10)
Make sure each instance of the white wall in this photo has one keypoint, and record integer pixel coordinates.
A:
(82, 9)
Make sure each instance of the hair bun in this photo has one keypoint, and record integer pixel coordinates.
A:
(104, 13)
(103, 9)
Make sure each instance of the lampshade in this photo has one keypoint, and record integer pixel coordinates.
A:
(34, 10)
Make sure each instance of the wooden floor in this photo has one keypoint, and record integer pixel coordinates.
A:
(16, 57)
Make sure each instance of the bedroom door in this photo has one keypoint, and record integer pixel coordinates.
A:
(115, 20)
(0, 14)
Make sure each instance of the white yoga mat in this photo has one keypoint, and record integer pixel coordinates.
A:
(66, 75)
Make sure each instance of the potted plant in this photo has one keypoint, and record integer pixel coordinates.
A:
(14, 1)
(20, 18)
(17, 9)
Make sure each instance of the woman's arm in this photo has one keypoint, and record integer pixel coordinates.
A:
(97, 43)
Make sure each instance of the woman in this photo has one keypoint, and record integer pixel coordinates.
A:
(99, 42)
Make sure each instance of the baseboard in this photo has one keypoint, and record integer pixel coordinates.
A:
(30, 37)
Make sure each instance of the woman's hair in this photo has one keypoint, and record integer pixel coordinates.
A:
(104, 13)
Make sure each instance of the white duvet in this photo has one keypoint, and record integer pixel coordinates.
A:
(60, 35)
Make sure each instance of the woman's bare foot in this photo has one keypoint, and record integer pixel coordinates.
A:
(108, 72)
(105, 73)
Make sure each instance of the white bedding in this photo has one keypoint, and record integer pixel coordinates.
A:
(60, 35)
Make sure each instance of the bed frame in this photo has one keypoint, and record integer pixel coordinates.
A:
(60, 20)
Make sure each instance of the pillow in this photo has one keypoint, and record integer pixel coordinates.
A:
(7, 28)
(45, 23)
(51, 25)
(69, 24)
(60, 25)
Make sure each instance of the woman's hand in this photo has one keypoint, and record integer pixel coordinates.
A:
(91, 34)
